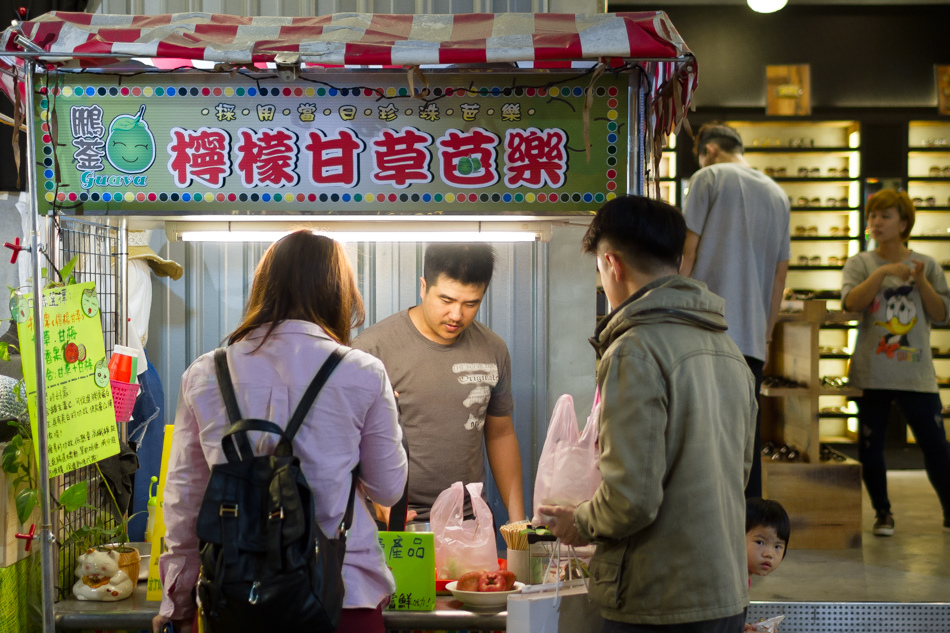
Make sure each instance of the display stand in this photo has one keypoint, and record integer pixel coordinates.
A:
(823, 498)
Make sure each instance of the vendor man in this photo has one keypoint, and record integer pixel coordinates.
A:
(453, 379)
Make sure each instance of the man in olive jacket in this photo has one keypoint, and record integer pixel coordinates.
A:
(676, 437)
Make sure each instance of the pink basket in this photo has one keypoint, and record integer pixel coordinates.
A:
(123, 399)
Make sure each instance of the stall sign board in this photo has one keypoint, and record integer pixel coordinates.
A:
(154, 591)
(332, 143)
(411, 558)
(80, 417)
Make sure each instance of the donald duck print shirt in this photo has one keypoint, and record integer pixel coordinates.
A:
(893, 344)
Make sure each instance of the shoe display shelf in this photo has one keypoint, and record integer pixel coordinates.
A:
(666, 181)
(822, 497)
(928, 184)
(818, 165)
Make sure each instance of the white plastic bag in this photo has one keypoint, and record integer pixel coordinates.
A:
(462, 545)
(770, 625)
(567, 471)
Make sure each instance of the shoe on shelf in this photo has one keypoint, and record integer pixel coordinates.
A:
(884, 525)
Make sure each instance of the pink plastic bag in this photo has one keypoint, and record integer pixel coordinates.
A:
(567, 471)
(462, 545)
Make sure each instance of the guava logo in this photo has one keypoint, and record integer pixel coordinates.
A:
(130, 146)
(89, 302)
(101, 377)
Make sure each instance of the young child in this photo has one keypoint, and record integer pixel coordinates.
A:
(767, 529)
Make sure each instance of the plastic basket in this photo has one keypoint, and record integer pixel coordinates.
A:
(123, 399)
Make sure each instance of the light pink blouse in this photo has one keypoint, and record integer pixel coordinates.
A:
(353, 421)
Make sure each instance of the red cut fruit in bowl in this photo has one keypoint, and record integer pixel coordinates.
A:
(491, 581)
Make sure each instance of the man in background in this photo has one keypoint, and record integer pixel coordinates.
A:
(737, 242)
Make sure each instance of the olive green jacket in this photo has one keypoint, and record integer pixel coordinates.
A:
(676, 443)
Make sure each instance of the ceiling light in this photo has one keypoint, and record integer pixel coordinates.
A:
(362, 231)
(766, 6)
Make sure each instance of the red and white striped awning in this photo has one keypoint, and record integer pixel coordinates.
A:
(357, 39)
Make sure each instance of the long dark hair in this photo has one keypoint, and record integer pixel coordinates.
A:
(306, 277)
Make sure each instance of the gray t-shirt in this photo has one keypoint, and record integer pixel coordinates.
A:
(742, 219)
(892, 350)
(445, 392)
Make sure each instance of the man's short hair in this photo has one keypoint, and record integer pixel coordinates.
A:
(466, 263)
(649, 234)
(724, 136)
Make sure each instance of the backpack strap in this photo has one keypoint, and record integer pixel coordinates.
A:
(306, 402)
(223, 373)
(344, 528)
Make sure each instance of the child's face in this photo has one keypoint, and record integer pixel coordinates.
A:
(765, 550)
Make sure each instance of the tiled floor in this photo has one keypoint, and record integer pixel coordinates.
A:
(911, 566)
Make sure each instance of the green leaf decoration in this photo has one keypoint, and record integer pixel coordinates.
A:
(5, 351)
(25, 502)
(74, 497)
(10, 456)
(67, 270)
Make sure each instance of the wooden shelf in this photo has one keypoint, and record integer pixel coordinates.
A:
(847, 392)
(824, 180)
(784, 392)
(797, 267)
(824, 209)
(824, 496)
(836, 151)
(840, 316)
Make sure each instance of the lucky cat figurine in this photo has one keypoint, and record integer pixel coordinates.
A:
(100, 577)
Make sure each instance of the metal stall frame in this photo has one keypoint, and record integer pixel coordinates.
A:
(658, 97)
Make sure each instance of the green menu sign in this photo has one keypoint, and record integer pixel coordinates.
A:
(81, 427)
(332, 143)
(410, 556)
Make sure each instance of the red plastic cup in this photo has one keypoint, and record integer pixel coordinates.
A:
(122, 364)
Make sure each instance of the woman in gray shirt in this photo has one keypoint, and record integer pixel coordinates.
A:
(899, 293)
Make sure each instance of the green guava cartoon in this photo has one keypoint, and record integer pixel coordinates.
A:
(469, 165)
(89, 302)
(130, 146)
(102, 374)
(19, 309)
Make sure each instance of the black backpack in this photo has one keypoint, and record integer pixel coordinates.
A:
(265, 563)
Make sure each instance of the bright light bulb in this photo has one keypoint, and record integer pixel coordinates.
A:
(766, 6)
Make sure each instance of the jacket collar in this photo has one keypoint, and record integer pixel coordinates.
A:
(671, 299)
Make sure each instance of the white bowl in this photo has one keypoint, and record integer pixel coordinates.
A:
(483, 598)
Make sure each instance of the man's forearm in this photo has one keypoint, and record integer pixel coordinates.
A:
(778, 291)
(504, 459)
(689, 253)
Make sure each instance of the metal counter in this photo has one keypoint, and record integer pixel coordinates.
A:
(136, 613)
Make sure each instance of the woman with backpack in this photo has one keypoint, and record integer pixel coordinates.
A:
(303, 304)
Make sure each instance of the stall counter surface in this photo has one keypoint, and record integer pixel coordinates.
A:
(136, 613)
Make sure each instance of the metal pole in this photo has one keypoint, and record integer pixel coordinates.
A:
(45, 532)
(122, 299)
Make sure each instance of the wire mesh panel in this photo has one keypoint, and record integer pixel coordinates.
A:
(95, 247)
(855, 617)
